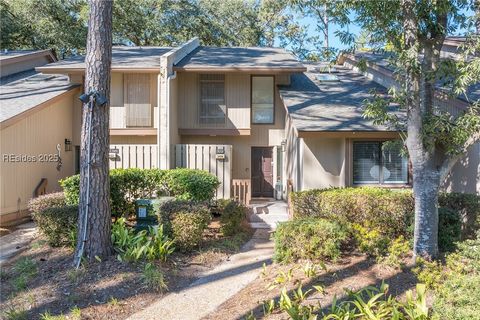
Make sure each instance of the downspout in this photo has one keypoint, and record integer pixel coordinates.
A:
(170, 77)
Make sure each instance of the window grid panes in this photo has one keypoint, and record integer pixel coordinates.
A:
(377, 163)
(212, 96)
(263, 100)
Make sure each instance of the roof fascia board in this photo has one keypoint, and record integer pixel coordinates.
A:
(57, 70)
(240, 69)
(27, 56)
(348, 134)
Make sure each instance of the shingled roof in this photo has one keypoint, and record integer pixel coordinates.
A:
(122, 58)
(22, 95)
(315, 105)
(240, 59)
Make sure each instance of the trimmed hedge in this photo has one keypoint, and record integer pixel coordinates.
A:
(389, 211)
(127, 185)
(376, 216)
(309, 238)
(58, 224)
(185, 221)
(232, 216)
(51, 200)
(188, 184)
(468, 208)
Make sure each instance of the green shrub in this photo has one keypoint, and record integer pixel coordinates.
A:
(309, 238)
(468, 208)
(190, 184)
(128, 185)
(232, 216)
(449, 229)
(169, 208)
(58, 224)
(51, 200)
(188, 227)
(379, 215)
(380, 209)
(371, 241)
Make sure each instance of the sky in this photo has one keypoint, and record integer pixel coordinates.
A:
(310, 23)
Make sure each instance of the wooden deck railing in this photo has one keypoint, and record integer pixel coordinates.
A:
(241, 191)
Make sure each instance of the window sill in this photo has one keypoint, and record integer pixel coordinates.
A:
(384, 185)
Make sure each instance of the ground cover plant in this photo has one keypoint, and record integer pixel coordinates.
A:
(41, 282)
(455, 284)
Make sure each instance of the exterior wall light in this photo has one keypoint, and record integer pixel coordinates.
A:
(68, 145)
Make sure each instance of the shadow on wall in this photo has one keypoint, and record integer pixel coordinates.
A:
(465, 175)
(326, 158)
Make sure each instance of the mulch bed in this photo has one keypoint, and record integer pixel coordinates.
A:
(352, 271)
(109, 289)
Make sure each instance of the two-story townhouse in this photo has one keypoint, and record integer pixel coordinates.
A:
(260, 120)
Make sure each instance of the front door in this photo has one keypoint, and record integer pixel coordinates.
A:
(262, 172)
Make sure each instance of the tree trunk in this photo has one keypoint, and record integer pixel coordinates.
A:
(95, 178)
(426, 184)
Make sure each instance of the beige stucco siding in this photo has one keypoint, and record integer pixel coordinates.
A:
(323, 162)
(465, 175)
(293, 165)
(34, 136)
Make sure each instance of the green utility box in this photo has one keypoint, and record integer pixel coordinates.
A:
(148, 211)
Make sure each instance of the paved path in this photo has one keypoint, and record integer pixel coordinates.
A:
(268, 214)
(215, 287)
(17, 241)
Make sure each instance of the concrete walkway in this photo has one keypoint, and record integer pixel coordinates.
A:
(17, 241)
(215, 287)
(267, 214)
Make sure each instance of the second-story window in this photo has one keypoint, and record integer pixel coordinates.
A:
(137, 100)
(263, 99)
(212, 99)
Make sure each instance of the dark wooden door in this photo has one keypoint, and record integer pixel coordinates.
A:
(262, 172)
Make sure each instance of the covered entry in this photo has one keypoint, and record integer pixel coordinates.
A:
(262, 172)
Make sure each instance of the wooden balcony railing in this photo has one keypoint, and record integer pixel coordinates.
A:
(241, 191)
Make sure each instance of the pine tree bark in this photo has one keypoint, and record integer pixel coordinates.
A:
(97, 78)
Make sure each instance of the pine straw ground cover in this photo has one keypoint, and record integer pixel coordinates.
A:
(351, 272)
(40, 283)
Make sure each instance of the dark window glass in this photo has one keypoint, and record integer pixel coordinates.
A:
(377, 163)
(212, 96)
